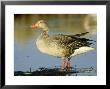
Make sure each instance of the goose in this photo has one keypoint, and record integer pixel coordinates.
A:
(60, 45)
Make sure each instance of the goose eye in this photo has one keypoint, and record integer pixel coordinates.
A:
(40, 22)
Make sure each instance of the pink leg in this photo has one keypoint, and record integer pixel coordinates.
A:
(63, 64)
(68, 63)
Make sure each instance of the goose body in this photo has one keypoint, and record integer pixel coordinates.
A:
(63, 46)
(53, 46)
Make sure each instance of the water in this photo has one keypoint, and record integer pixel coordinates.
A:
(56, 71)
(26, 54)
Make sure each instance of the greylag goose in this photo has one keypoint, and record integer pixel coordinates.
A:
(63, 46)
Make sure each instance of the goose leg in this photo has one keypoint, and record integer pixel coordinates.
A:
(63, 64)
(68, 63)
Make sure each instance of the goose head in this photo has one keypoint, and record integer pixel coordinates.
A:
(41, 24)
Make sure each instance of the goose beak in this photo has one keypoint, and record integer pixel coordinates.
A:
(34, 26)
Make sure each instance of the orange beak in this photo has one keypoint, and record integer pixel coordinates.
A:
(34, 26)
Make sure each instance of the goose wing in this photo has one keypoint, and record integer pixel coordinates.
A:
(72, 41)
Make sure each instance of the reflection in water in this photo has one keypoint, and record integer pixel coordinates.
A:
(24, 36)
(90, 23)
(68, 24)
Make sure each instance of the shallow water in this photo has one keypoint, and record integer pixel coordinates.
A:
(26, 54)
(56, 71)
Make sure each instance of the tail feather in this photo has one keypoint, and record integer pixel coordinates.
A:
(81, 34)
(82, 50)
